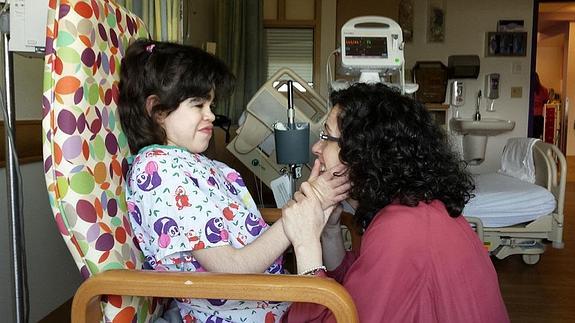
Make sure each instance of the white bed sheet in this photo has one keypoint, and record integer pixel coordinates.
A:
(502, 200)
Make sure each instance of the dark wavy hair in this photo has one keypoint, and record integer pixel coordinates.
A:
(396, 153)
(172, 72)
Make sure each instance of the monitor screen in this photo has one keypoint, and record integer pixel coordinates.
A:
(366, 47)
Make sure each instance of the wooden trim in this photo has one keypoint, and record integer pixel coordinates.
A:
(317, 47)
(28, 139)
(281, 10)
(270, 23)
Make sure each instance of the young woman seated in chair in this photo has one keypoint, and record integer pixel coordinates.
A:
(419, 260)
(190, 213)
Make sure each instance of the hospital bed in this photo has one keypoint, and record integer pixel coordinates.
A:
(513, 216)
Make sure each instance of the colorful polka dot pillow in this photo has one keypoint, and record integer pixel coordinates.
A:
(84, 148)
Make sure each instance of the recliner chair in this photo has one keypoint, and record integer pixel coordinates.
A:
(85, 164)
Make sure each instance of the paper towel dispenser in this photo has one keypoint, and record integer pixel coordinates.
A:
(463, 66)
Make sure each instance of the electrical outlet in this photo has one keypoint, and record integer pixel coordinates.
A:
(516, 91)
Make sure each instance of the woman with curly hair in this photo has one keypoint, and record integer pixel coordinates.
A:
(419, 260)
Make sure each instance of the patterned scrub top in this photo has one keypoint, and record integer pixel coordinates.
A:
(178, 202)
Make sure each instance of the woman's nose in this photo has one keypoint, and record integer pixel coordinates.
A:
(317, 147)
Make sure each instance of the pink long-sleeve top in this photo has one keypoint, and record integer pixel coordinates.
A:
(416, 264)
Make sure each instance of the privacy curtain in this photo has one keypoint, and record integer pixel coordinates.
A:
(163, 18)
(240, 43)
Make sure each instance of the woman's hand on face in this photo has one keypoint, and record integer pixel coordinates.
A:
(329, 188)
(303, 218)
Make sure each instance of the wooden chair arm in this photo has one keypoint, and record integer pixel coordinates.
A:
(290, 288)
(271, 215)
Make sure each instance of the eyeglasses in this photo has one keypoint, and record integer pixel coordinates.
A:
(324, 137)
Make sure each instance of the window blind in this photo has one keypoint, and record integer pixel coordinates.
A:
(291, 48)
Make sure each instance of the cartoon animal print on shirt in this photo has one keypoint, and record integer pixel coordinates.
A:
(149, 179)
(195, 180)
(235, 177)
(215, 319)
(166, 228)
(230, 188)
(254, 225)
(276, 267)
(182, 199)
(217, 302)
(135, 212)
(215, 231)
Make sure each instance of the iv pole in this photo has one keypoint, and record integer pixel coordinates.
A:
(17, 246)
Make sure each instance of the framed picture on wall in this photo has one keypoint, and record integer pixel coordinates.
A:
(435, 21)
(405, 19)
(510, 25)
(506, 44)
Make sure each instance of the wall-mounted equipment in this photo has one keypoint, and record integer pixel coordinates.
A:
(491, 90)
(492, 86)
(457, 98)
(463, 66)
(28, 25)
(432, 80)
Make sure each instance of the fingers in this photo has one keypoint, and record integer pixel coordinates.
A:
(308, 191)
(315, 170)
(298, 196)
(337, 169)
(341, 188)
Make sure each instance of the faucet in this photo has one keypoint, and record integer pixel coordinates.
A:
(477, 115)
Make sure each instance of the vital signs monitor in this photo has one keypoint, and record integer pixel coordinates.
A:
(372, 45)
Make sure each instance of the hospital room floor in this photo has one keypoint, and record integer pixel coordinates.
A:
(544, 292)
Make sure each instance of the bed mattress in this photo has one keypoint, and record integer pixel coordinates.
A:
(502, 200)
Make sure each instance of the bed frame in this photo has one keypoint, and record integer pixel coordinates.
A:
(527, 239)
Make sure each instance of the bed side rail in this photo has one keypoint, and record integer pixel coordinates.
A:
(551, 171)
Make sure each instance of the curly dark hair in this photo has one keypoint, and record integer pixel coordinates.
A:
(396, 153)
(172, 72)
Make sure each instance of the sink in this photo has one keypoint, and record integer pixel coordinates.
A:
(484, 127)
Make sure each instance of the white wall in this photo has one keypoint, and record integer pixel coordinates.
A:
(52, 275)
(550, 62)
(467, 21)
(569, 76)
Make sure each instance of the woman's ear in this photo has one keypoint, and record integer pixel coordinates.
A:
(151, 101)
